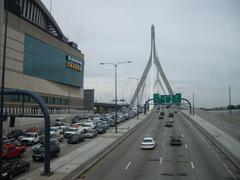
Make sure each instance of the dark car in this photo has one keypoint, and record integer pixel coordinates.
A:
(16, 134)
(162, 113)
(171, 115)
(77, 119)
(100, 129)
(38, 153)
(13, 168)
(90, 133)
(160, 117)
(176, 140)
(75, 138)
(168, 124)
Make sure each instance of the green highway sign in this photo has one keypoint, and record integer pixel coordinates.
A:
(167, 99)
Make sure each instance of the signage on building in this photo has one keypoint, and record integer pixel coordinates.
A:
(73, 63)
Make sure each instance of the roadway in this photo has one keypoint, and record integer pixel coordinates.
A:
(196, 159)
(223, 122)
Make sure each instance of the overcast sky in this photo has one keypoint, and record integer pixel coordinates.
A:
(197, 41)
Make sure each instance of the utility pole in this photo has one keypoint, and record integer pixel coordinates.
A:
(193, 104)
(230, 100)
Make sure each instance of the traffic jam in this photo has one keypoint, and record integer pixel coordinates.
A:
(19, 145)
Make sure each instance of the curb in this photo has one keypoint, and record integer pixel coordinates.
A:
(76, 173)
(223, 149)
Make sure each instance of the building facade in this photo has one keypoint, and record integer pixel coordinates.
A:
(89, 99)
(39, 58)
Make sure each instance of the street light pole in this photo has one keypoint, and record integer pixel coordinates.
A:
(137, 95)
(115, 68)
(230, 100)
(3, 74)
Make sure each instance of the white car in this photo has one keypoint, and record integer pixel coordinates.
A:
(148, 143)
(55, 130)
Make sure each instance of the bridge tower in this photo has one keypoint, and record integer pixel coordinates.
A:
(161, 77)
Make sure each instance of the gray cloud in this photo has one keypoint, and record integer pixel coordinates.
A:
(198, 43)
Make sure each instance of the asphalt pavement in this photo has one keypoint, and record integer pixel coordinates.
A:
(196, 159)
(224, 123)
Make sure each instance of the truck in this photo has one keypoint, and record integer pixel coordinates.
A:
(12, 151)
(76, 129)
(30, 138)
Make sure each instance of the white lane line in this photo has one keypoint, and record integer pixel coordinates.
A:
(61, 145)
(230, 172)
(129, 163)
(192, 165)
(28, 159)
(164, 134)
(186, 146)
(163, 143)
(161, 159)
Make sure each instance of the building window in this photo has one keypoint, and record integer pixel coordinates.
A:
(51, 100)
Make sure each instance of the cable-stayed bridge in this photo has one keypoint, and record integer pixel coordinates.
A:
(159, 82)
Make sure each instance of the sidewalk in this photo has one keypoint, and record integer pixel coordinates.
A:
(67, 165)
(225, 140)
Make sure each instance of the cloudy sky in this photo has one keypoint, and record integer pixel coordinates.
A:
(198, 42)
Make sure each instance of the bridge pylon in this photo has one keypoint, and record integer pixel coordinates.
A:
(153, 59)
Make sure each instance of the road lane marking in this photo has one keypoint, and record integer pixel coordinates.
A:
(182, 135)
(61, 145)
(28, 159)
(160, 160)
(186, 146)
(230, 172)
(129, 163)
(163, 143)
(164, 134)
(179, 128)
(192, 165)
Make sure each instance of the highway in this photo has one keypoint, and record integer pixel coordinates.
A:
(196, 159)
(223, 121)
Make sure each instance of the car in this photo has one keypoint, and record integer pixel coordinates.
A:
(16, 134)
(162, 113)
(170, 115)
(12, 151)
(13, 168)
(55, 130)
(39, 154)
(90, 133)
(100, 129)
(59, 137)
(75, 138)
(148, 143)
(160, 117)
(60, 120)
(30, 138)
(176, 140)
(77, 119)
(168, 124)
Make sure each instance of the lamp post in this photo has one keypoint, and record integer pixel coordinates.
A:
(115, 68)
(3, 71)
(137, 94)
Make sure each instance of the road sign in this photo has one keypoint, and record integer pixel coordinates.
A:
(156, 98)
(167, 99)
